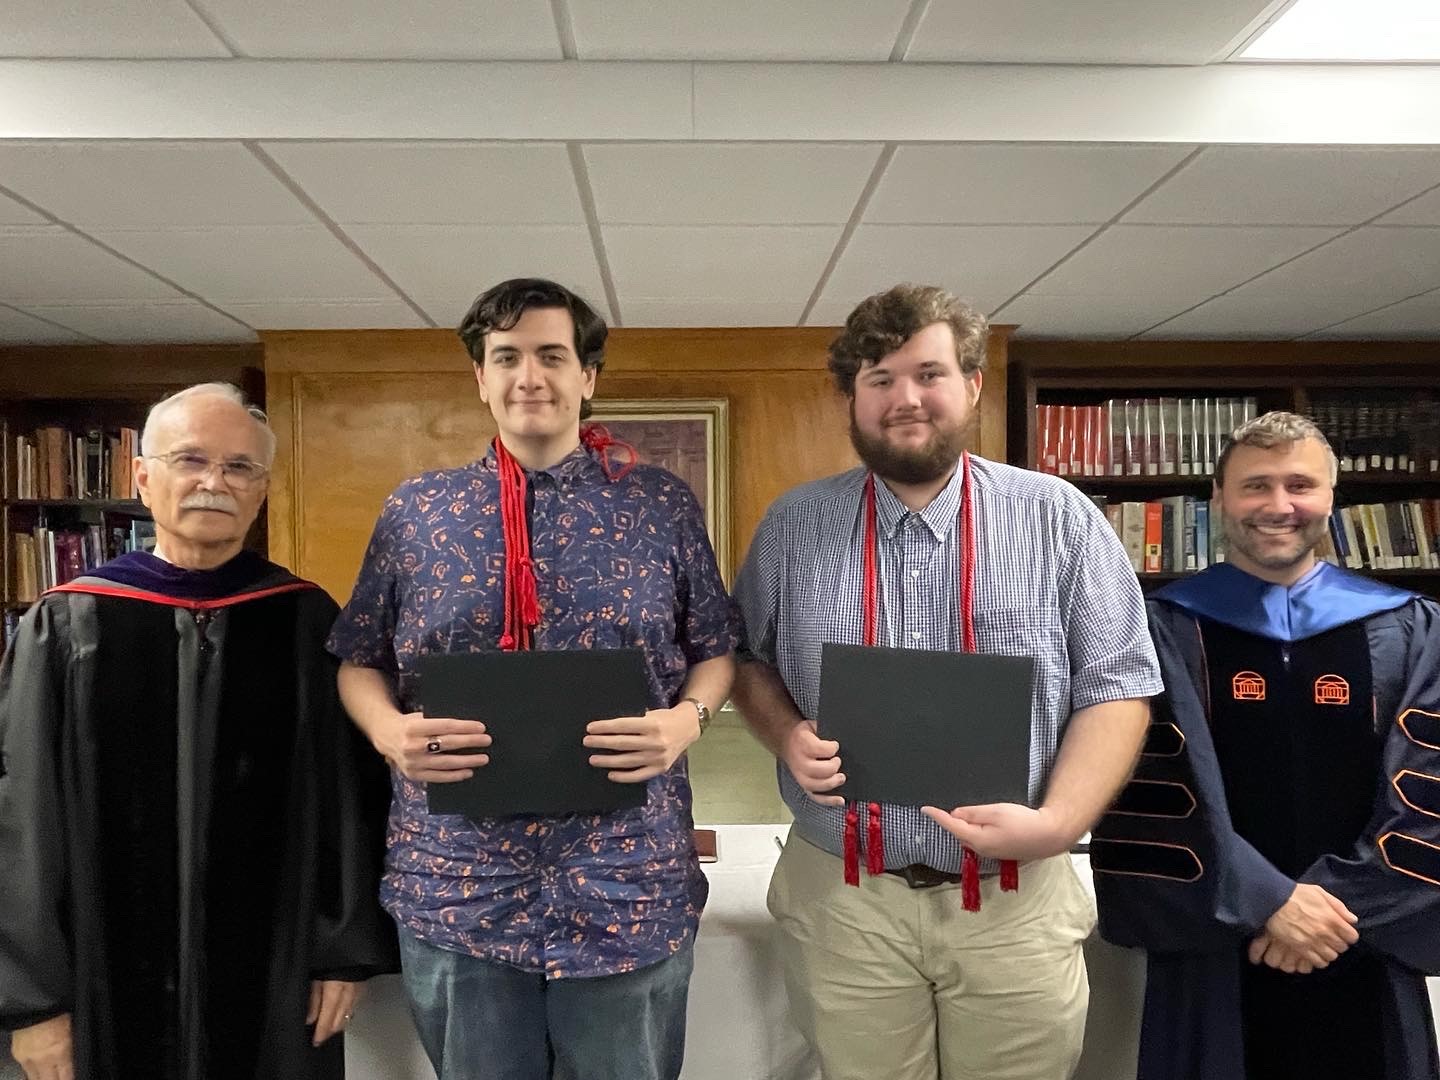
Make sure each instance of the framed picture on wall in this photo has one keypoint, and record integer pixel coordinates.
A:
(691, 438)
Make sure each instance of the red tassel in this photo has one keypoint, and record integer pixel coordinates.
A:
(1009, 875)
(522, 604)
(529, 595)
(598, 440)
(852, 844)
(875, 842)
(870, 589)
(970, 881)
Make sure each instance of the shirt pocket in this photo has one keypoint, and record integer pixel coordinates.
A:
(1033, 631)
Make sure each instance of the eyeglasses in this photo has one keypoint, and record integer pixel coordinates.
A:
(237, 472)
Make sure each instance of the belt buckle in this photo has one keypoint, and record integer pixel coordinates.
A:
(908, 874)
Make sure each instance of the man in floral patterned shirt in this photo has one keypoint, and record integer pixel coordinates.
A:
(535, 946)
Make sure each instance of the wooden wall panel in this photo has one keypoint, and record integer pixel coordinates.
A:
(358, 411)
(357, 438)
(144, 373)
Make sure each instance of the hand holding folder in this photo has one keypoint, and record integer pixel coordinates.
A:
(641, 747)
(814, 763)
(1001, 830)
(435, 750)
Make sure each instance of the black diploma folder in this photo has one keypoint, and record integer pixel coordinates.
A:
(535, 705)
(919, 728)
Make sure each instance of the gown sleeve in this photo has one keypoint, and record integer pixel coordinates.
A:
(1171, 873)
(1391, 878)
(352, 936)
(35, 954)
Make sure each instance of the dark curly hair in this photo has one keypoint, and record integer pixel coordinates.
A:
(884, 322)
(501, 307)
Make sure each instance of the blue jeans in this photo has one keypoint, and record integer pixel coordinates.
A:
(486, 1021)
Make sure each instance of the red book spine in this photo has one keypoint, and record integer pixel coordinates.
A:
(1154, 526)
(1045, 434)
(1063, 434)
(1077, 439)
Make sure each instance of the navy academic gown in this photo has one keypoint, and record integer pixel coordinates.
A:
(190, 829)
(1297, 740)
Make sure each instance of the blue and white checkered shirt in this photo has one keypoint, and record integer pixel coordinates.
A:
(1051, 581)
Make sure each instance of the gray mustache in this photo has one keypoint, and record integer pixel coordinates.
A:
(206, 500)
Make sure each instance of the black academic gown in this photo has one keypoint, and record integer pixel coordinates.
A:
(1298, 740)
(190, 829)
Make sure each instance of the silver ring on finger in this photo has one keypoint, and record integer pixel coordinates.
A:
(433, 746)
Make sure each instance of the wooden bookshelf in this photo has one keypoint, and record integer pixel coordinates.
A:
(65, 505)
(1300, 377)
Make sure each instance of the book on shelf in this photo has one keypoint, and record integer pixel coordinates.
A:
(26, 583)
(1150, 436)
(1137, 436)
(1155, 538)
(53, 462)
(1132, 533)
(1399, 535)
(142, 535)
(1077, 422)
(1382, 436)
(49, 555)
(9, 623)
(1205, 547)
(1169, 535)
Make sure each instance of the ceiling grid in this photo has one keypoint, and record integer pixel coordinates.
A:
(204, 168)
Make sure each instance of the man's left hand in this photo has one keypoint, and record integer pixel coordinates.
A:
(1004, 830)
(642, 746)
(332, 1005)
(1274, 953)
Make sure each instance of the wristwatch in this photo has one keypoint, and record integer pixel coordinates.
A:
(702, 710)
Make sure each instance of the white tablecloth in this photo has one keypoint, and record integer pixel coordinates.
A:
(739, 1024)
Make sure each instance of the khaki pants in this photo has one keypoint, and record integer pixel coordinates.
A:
(892, 983)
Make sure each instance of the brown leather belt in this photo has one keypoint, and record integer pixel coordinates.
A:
(920, 876)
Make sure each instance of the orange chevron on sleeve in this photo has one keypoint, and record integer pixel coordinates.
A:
(1146, 859)
(1163, 739)
(1418, 791)
(1421, 728)
(1410, 856)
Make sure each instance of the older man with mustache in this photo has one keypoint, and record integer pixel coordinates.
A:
(191, 829)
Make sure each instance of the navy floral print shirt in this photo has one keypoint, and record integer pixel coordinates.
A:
(618, 563)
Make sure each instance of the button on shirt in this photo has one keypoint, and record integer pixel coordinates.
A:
(1051, 581)
(617, 564)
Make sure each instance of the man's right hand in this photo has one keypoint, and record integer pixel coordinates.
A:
(44, 1050)
(1313, 926)
(813, 762)
(420, 747)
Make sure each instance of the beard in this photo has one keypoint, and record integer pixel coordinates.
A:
(1239, 537)
(930, 461)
